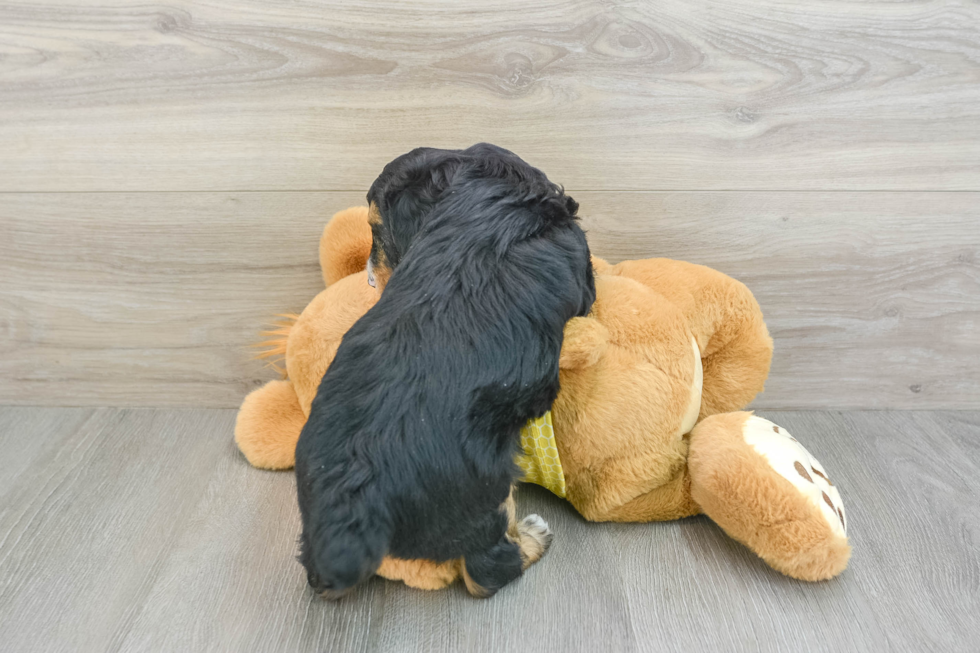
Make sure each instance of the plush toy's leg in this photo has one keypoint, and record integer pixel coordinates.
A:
(268, 426)
(766, 491)
(725, 319)
(670, 501)
(737, 356)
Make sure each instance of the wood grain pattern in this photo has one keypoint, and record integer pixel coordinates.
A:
(84, 529)
(319, 94)
(906, 490)
(963, 427)
(872, 299)
(152, 299)
(146, 530)
(23, 440)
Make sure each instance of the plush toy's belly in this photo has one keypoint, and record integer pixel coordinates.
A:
(697, 387)
(540, 460)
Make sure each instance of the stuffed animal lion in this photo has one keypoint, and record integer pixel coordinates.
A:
(647, 426)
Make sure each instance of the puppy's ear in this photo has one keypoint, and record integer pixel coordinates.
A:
(584, 343)
(406, 192)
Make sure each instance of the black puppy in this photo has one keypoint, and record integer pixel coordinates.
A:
(410, 443)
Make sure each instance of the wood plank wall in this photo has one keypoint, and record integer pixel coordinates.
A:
(165, 171)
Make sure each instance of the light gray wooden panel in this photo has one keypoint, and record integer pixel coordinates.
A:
(148, 531)
(28, 435)
(319, 94)
(964, 428)
(84, 530)
(232, 581)
(872, 299)
(150, 299)
(153, 298)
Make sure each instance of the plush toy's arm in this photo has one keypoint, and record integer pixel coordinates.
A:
(585, 340)
(726, 321)
(600, 266)
(345, 244)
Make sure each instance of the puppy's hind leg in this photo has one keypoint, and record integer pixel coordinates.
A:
(517, 547)
(531, 534)
(486, 572)
(534, 539)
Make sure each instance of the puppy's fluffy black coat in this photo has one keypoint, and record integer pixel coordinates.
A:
(410, 443)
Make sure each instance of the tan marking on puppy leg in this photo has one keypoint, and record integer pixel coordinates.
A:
(534, 538)
(510, 508)
(531, 534)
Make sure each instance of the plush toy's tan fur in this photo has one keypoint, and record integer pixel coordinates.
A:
(345, 244)
(623, 418)
(268, 426)
(617, 418)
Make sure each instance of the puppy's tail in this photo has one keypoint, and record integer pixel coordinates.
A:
(343, 555)
(340, 570)
(274, 353)
(346, 525)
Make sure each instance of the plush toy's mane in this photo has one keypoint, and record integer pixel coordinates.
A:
(275, 341)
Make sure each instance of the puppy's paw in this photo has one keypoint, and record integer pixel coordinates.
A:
(536, 526)
(535, 538)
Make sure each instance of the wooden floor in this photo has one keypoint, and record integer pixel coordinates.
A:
(145, 530)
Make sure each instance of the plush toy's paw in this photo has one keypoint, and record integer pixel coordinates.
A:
(534, 539)
(792, 461)
(268, 426)
(760, 485)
